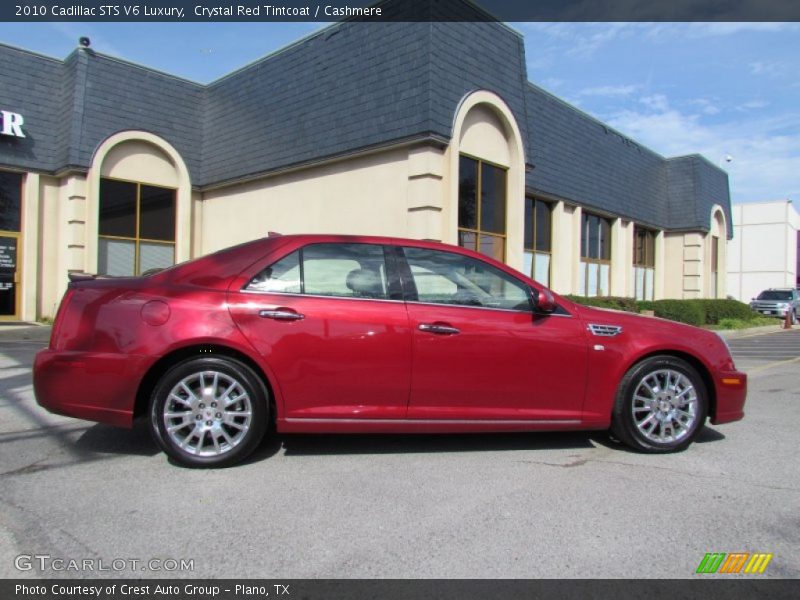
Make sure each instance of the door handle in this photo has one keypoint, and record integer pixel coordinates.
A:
(439, 328)
(281, 314)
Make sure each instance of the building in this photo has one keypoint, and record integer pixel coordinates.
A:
(765, 249)
(373, 128)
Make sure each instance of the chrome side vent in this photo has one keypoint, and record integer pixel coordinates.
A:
(605, 330)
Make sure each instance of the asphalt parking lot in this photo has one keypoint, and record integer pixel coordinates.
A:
(486, 506)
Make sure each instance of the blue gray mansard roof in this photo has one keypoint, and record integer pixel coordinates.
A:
(350, 87)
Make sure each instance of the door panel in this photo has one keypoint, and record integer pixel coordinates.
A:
(344, 359)
(479, 350)
(501, 365)
(337, 344)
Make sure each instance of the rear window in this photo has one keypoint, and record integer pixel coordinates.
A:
(775, 295)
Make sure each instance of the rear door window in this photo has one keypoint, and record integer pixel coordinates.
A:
(340, 270)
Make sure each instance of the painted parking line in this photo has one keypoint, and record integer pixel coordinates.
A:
(778, 363)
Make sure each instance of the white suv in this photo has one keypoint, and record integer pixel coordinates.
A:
(776, 302)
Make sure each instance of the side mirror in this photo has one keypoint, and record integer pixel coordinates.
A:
(543, 301)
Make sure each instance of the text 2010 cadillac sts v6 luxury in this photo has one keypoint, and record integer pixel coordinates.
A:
(324, 333)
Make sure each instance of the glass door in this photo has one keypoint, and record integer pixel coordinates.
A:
(10, 263)
(9, 276)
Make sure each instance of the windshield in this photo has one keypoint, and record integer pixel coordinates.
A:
(775, 295)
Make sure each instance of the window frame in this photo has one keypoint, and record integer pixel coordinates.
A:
(478, 231)
(137, 239)
(533, 201)
(644, 259)
(394, 291)
(650, 236)
(591, 262)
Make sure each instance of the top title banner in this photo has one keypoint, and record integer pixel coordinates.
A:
(401, 10)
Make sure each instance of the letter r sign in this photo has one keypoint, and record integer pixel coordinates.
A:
(12, 123)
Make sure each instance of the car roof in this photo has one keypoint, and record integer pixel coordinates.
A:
(213, 270)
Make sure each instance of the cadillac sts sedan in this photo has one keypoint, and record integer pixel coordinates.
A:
(322, 334)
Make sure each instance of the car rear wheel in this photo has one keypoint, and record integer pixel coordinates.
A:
(661, 405)
(209, 412)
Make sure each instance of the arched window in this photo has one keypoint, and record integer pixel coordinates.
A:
(482, 207)
(136, 227)
(140, 197)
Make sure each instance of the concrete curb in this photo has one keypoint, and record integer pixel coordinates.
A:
(737, 333)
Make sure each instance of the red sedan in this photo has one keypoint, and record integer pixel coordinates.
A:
(324, 333)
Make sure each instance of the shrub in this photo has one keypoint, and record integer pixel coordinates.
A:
(718, 309)
(645, 305)
(614, 302)
(694, 312)
(684, 311)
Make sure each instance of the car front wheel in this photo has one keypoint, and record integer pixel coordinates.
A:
(208, 412)
(661, 405)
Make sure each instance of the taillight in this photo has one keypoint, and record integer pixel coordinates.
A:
(62, 309)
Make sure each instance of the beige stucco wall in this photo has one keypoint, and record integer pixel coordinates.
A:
(51, 271)
(366, 195)
(563, 250)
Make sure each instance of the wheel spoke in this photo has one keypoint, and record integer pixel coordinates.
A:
(178, 415)
(236, 413)
(188, 390)
(184, 442)
(201, 438)
(214, 439)
(177, 398)
(232, 401)
(177, 426)
(226, 436)
(649, 419)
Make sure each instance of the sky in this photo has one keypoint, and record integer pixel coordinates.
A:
(729, 91)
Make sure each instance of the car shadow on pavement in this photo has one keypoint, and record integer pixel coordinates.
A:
(105, 439)
(606, 439)
(707, 434)
(322, 444)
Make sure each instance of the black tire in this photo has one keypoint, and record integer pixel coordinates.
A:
(209, 412)
(661, 405)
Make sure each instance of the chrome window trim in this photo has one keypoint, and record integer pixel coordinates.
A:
(511, 310)
(303, 295)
